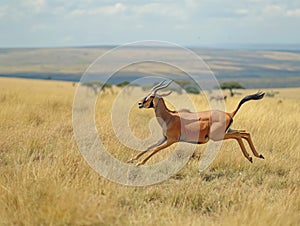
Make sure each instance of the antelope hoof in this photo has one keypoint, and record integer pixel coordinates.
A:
(140, 163)
(261, 156)
(130, 161)
(250, 159)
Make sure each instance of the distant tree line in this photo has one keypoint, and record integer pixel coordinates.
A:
(189, 87)
(230, 86)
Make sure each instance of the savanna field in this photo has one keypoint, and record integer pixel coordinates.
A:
(44, 180)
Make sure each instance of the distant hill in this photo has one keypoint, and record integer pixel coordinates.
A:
(253, 68)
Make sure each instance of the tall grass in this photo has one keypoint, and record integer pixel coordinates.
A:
(45, 181)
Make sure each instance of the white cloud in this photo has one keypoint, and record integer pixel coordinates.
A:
(241, 11)
(78, 12)
(39, 27)
(68, 38)
(58, 10)
(293, 13)
(178, 21)
(192, 3)
(111, 9)
(36, 5)
(3, 11)
(163, 9)
(139, 26)
(273, 9)
(117, 8)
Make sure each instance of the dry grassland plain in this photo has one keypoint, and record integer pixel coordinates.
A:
(44, 180)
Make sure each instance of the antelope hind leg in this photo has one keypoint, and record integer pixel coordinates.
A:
(237, 136)
(247, 137)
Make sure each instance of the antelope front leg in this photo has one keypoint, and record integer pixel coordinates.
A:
(157, 149)
(237, 136)
(148, 149)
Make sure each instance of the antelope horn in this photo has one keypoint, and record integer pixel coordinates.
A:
(165, 94)
(162, 86)
(158, 85)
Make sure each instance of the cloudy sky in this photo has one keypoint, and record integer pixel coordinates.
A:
(36, 23)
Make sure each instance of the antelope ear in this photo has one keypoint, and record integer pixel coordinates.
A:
(165, 94)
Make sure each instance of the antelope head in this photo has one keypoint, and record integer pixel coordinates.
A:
(153, 96)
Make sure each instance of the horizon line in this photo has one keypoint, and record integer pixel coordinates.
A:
(245, 46)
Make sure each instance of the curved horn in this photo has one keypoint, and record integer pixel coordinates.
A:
(162, 86)
(165, 94)
(158, 85)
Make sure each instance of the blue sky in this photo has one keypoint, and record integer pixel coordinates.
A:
(43, 23)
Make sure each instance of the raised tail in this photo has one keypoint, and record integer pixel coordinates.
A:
(256, 96)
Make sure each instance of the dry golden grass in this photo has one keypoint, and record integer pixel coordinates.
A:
(45, 181)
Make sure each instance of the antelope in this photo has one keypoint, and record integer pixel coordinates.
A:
(193, 127)
(218, 97)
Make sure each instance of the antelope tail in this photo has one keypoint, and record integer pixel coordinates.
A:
(256, 96)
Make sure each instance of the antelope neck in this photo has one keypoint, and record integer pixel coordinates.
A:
(161, 110)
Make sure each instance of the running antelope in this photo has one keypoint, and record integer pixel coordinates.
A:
(218, 97)
(193, 127)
